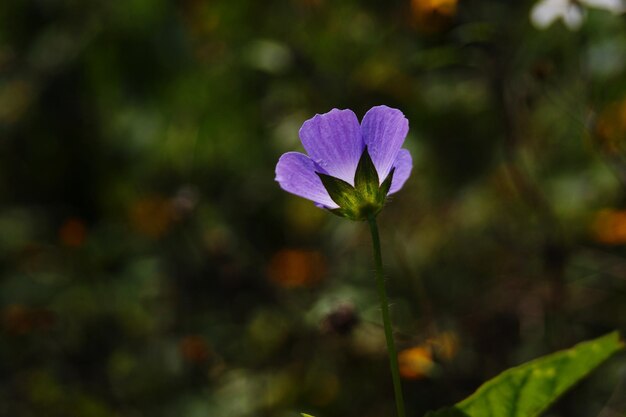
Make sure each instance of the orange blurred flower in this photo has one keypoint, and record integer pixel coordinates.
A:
(415, 362)
(15, 319)
(292, 268)
(152, 216)
(195, 349)
(72, 233)
(200, 17)
(609, 227)
(433, 15)
(610, 128)
(19, 319)
(445, 345)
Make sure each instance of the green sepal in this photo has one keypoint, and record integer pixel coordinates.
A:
(366, 177)
(386, 185)
(366, 198)
(339, 212)
(340, 191)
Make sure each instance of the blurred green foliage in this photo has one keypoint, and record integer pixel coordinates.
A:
(150, 266)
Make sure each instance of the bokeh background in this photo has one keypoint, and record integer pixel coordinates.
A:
(151, 266)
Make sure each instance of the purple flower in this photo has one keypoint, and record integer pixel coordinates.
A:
(350, 167)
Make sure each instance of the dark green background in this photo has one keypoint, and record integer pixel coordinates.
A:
(150, 265)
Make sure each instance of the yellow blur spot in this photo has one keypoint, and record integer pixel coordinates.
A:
(433, 15)
(544, 373)
(303, 217)
(609, 227)
(326, 390)
(72, 233)
(267, 331)
(415, 363)
(152, 216)
(292, 268)
(15, 98)
(445, 345)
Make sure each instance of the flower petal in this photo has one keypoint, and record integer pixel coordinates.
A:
(613, 6)
(384, 130)
(403, 166)
(333, 140)
(545, 12)
(573, 17)
(295, 172)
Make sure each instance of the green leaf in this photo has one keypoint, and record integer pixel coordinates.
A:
(527, 390)
(305, 415)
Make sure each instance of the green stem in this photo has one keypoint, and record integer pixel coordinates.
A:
(384, 306)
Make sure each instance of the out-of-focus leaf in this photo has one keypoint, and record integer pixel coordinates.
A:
(527, 390)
